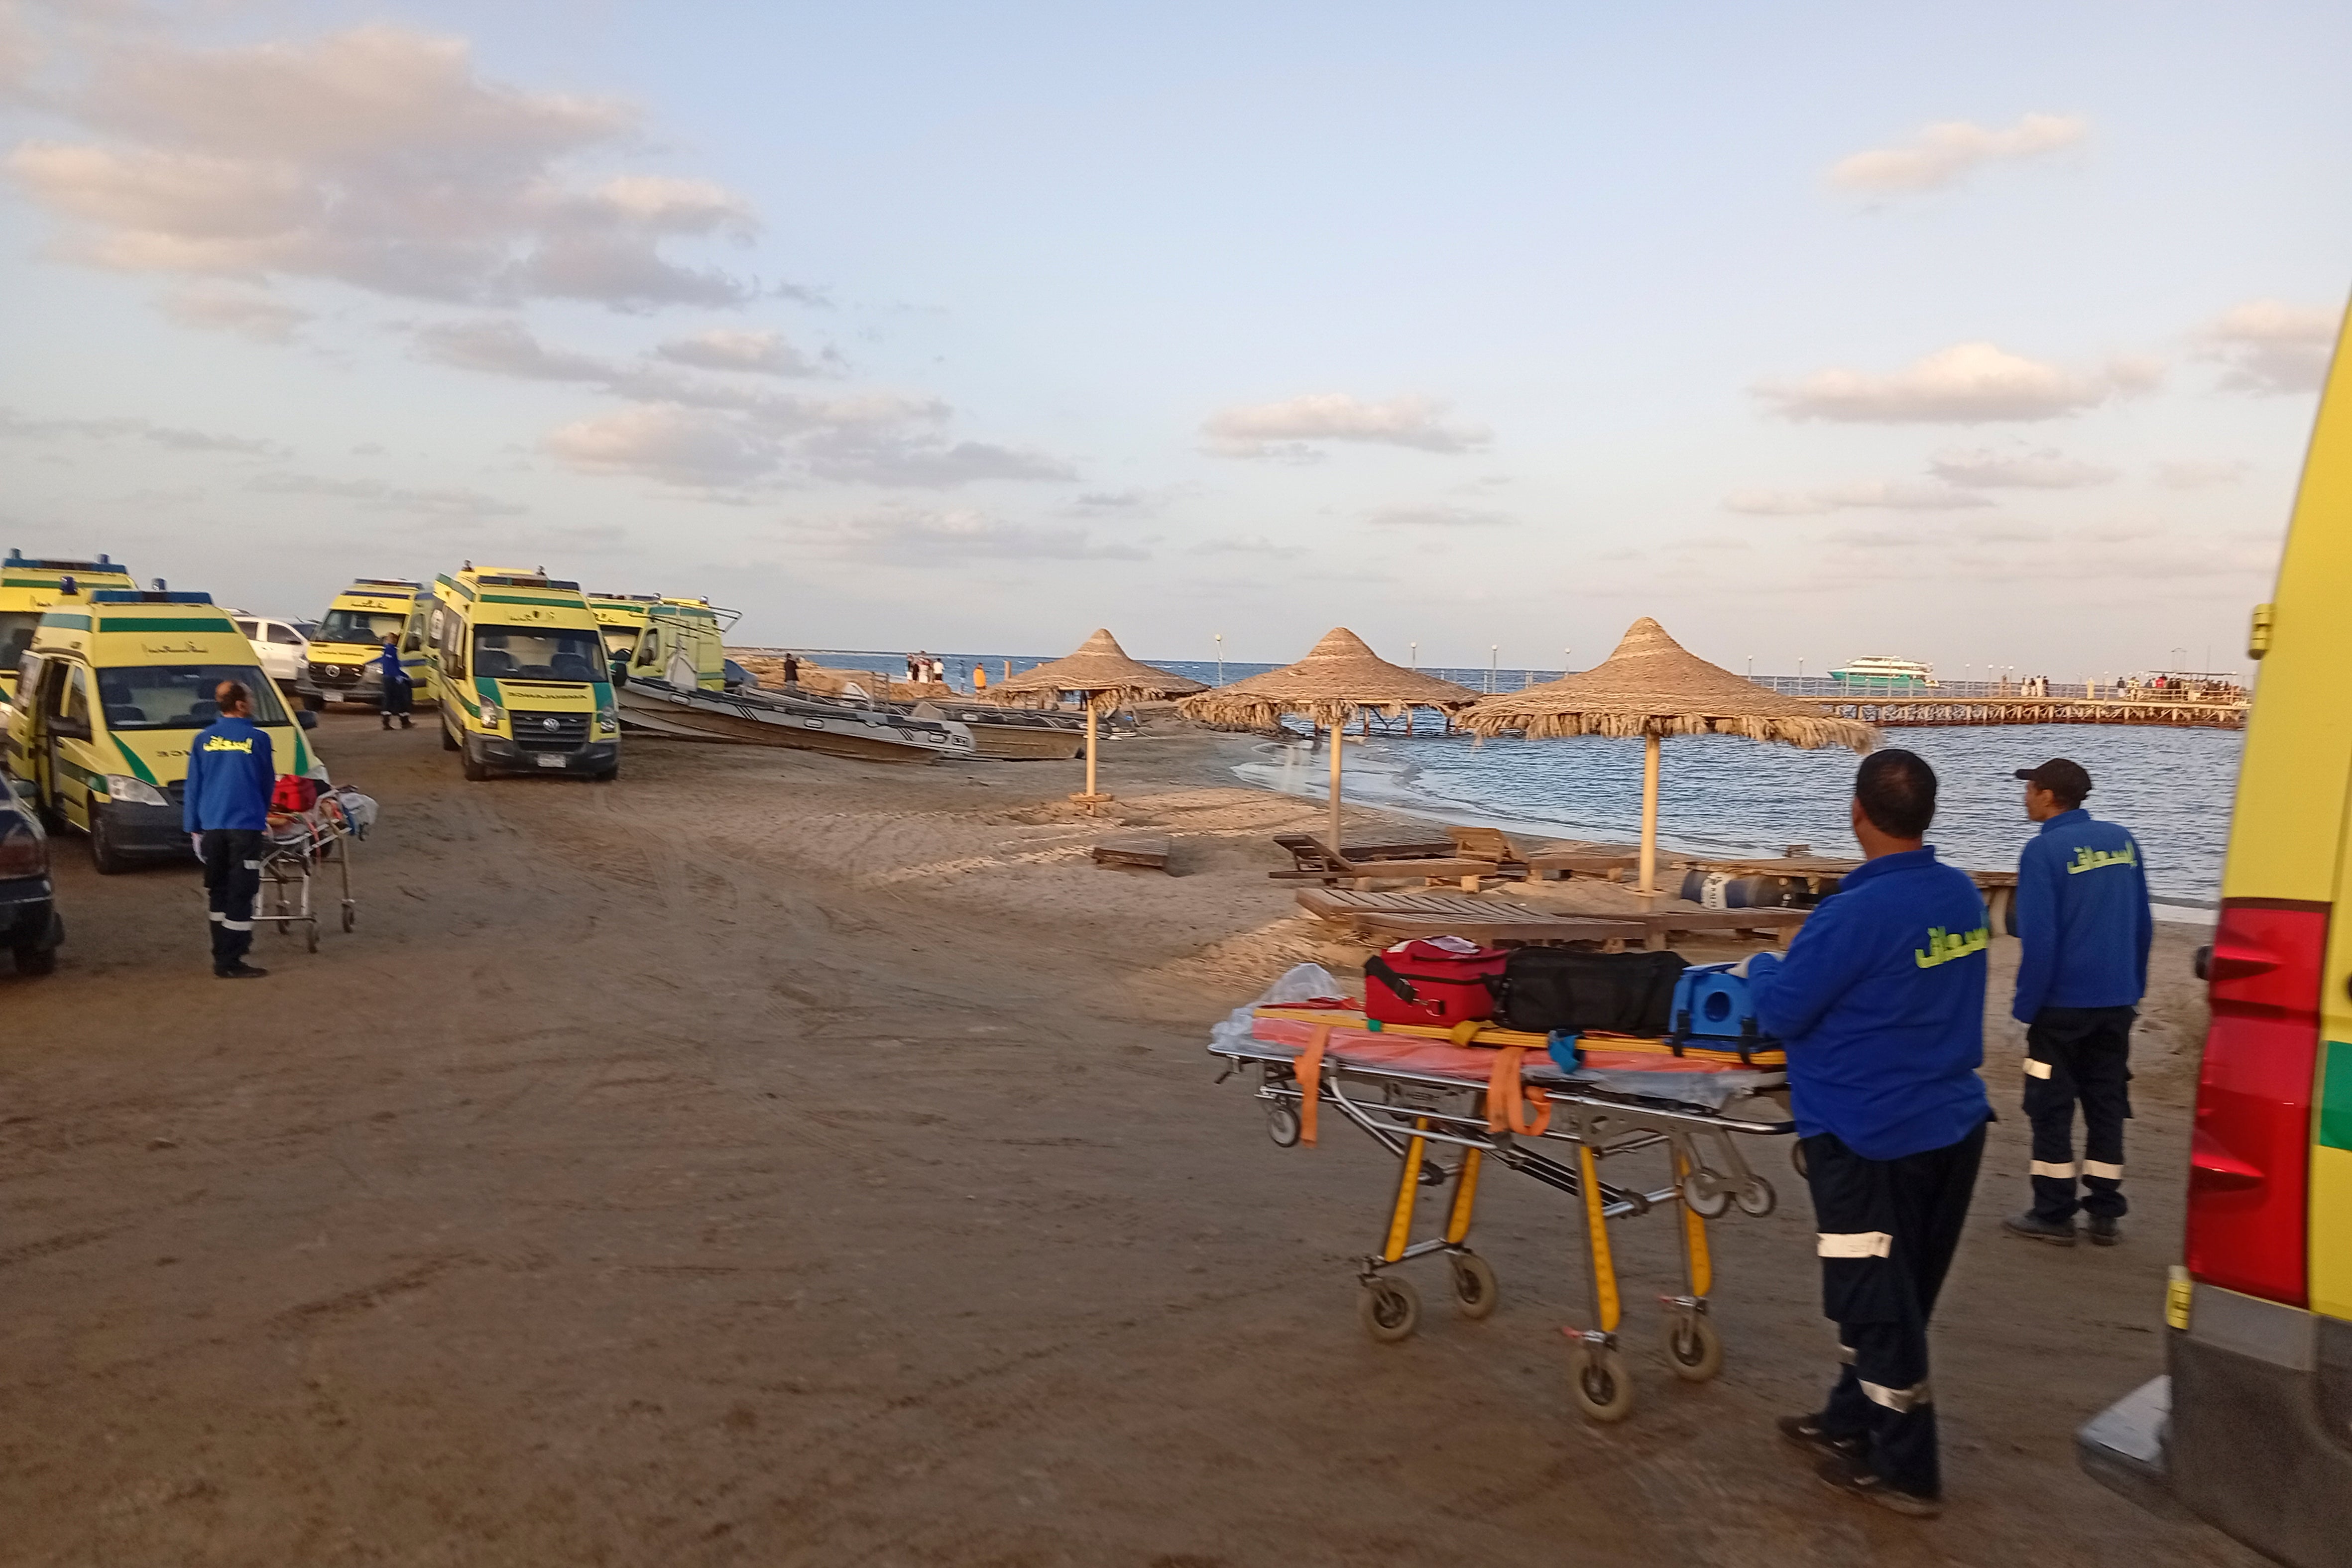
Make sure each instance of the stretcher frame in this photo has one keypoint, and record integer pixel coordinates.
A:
(291, 861)
(1417, 1109)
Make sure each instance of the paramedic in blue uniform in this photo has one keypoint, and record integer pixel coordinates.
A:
(2083, 923)
(394, 679)
(1880, 1003)
(231, 774)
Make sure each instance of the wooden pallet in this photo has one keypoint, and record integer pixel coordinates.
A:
(1434, 913)
(1147, 851)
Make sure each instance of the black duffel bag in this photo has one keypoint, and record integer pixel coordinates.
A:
(1545, 989)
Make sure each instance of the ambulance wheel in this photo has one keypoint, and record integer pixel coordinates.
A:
(608, 775)
(1596, 1376)
(1757, 1198)
(104, 853)
(1475, 1292)
(37, 960)
(1693, 1347)
(448, 741)
(1282, 1123)
(1390, 1309)
(1705, 1195)
(475, 772)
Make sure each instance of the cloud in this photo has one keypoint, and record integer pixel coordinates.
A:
(1258, 545)
(766, 353)
(375, 495)
(375, 157)
(1291, 431)
(1437, 517)
(1864, 494)
(893, 459)
(2265, 346)
(1967, 383)
(171, 437)
(254, 316)
(1878, 539)
(2195, 474)
(2043, 470)
(925, 537)
(689, 447)
(1946, 151)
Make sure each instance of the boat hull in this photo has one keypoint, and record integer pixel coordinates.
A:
(710, 717)
(1009, 735)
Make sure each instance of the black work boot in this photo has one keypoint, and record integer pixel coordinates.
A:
(1807, 1433)
(2105, 1230)
(2033, 1227)
(1850, 1474)
(240, 970)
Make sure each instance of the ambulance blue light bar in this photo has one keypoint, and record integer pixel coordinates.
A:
(134, 596)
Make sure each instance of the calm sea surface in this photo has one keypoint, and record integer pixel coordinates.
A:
(1723, 795)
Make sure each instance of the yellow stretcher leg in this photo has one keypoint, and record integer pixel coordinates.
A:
(1698, 1263)
(1605, 1304)
(1408, 1188)
(1465, 1192)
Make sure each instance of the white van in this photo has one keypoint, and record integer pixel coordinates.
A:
(281, 647)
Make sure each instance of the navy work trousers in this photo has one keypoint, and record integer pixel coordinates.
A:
(1887, 1232)
(2078, 1054)
(232, 858)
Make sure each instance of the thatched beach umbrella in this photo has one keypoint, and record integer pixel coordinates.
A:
(1100, 672)
(1339, 678)
(1653, 687)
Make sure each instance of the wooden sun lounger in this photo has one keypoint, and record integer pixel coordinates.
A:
(1364, 873)
(1310, 862)
(1781, 925)
(1388, 916)
(1492, 845)
(1609, 865)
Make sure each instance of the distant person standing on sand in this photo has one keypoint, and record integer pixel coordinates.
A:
(395, 702)
(2083, 920)
(791, 669)
(979, 679)
(1880, 1004)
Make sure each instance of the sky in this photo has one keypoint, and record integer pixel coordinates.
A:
(1984, 335)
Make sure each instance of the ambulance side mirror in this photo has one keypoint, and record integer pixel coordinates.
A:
(306, 718)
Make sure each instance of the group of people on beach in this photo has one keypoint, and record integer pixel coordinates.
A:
(1880, 1004)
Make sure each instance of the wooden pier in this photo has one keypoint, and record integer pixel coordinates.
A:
(1917, 712)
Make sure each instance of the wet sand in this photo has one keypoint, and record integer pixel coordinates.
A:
(770, 1159)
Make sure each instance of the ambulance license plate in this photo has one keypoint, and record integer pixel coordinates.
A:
(547, 761)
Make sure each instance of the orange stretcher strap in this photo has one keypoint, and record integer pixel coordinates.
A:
(1503, 1039)
(1510, 1106)
(1311, 1082)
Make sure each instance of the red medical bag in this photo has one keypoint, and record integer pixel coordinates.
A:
(294, 793)
(1441, 982)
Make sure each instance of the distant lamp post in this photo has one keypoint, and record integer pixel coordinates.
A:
(1221, 658)
(1494, 658)
(1801, 669)
(1416, 653)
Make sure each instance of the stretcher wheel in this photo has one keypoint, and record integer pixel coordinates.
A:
(351, 917)
(311, 935)
(1757, 1198)
(1596, 1376)
(1705, 1195)
(1693, 1347)
(1390, 1309)
(1282, 1123)
(1475, 1292)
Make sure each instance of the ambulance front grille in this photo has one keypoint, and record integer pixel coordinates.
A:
(549, 731)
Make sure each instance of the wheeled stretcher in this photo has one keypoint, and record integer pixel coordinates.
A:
(298, 847)
(1491, 1094)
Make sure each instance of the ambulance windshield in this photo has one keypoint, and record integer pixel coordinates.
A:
(179, 696)
(359, 626)
(538, 653)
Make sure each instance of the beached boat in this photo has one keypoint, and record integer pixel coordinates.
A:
(1881, 673)
(752, 717)
(1012, 734)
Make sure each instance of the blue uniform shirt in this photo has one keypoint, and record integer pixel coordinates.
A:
(387, 666)
(231, 776)
(1880, 1002)
(2082, 917)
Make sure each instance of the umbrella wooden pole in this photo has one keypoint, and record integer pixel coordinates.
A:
(1649, 813)
(1336, 748)
(1091, 748)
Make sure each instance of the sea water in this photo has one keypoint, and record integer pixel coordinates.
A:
(1721, 795)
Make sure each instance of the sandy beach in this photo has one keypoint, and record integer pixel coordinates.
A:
(772, 1159)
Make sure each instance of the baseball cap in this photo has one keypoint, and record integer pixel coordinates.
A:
(2062, 777)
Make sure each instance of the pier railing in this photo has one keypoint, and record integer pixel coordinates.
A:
(1913, 712)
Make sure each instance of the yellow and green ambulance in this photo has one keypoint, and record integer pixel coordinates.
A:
(350, 640)
(518, 661)
(623, 617)
(28, 587)
(2251, 1431)
(114, 687)
(683, 644)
